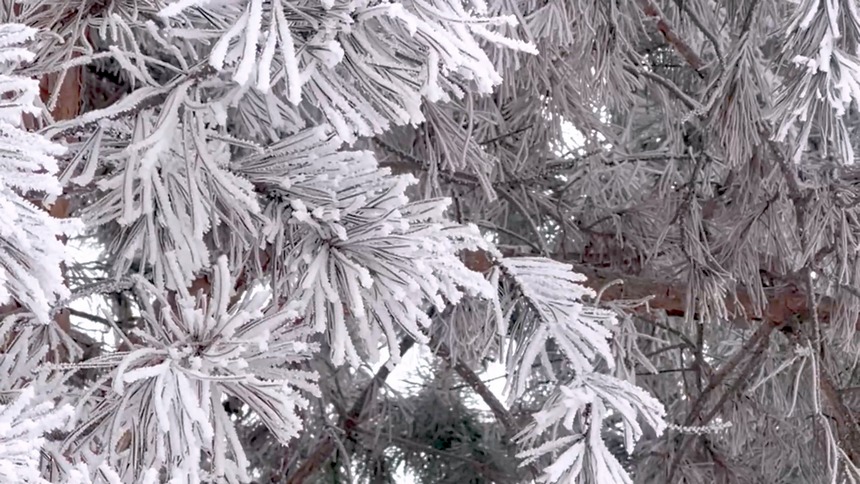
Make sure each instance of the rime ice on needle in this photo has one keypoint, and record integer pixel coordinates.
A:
(224, 185)
(31, 254)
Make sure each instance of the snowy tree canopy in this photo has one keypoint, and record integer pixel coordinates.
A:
(437, 241)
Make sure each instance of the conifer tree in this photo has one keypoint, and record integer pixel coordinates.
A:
(225, 223)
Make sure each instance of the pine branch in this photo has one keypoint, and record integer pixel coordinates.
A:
(73, 126)
(760, 340)
(508, 134)
(794, 302)
(67, 90)
(348, 423)
(680, 45)
(500, 411)
(502, 414)
(688, 101)
(848, 427)
(684, 7)
(785, 300)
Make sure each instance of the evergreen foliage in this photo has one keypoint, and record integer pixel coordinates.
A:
(226, 224)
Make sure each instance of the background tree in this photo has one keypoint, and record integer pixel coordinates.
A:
(226, 221)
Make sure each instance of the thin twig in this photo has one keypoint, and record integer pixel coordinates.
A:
(688, 101)
(511, 233)
(506, 135)
(91, 317)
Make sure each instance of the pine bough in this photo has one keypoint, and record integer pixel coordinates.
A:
(199, 174)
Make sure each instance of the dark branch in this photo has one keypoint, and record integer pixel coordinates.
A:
(349, 423)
